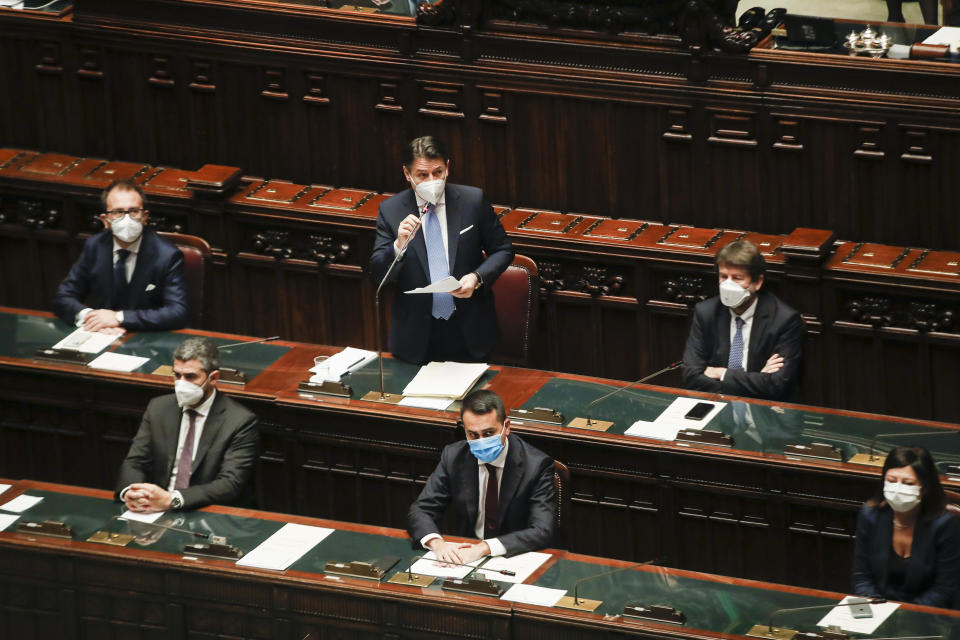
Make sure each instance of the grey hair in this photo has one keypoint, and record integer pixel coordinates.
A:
(202, 349)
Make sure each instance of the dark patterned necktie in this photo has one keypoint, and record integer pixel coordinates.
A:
(491, 504)
(184, 467)
(120, 280)
(735, 361)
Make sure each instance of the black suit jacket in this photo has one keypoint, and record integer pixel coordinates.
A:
(222, 465)
(776, 329)
(157, 292)
(933, 568)
(527, 497)
(472, 230)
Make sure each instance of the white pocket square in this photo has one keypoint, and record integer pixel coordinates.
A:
(465, 230)
(151, 287)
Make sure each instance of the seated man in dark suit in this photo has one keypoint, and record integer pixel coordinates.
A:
(744, 342)
(459, 226)
(194, 447)
(127, 277)
(499, 487)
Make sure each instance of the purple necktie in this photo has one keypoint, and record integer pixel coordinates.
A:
(184, 467)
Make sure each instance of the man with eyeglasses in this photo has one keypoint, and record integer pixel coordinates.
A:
(127, 277)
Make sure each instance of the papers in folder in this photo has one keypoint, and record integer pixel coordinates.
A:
(445, 379)
(445, 285)
(340, 363)
(86, 341)
(285, 547)
(843, 617)
(523, 565)
(672, 419)
(428, 565)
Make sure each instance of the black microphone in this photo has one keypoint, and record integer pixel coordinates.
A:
(590, 422)
(238, 344)
(576, 585)
(853, 602)
(904, 434)
(376, 300)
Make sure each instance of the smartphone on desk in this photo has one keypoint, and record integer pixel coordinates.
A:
(699, 411)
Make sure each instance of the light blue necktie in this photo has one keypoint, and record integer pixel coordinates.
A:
(443, 305)
(735, 361)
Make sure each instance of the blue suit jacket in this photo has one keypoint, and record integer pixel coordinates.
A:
(527, 497)
(776, 329)
(472, 230)
(933, 568)
(90, 284)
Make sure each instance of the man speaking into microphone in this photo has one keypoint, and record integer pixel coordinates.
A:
(458, 227)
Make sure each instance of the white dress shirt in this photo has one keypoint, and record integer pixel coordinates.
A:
(747, 317)
(134, 249)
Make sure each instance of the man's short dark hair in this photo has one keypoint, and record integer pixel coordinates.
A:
(743, 254)
(426, 147)
(124, 184)
(202, 349)
(482, 402)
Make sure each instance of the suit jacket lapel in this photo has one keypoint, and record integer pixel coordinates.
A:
(470, 478)
(145, 257)
(418, 245)
(210, 428)
(510, 480)
(760, 326)
(171, 434)
(723, 335)
(104, 271)
(452, 200)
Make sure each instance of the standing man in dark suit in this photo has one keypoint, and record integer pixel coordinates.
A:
(194, 447)
(744, 342)
(458, 227)
(127, 277)
(499, 487)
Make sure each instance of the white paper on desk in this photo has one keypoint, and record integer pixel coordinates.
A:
(426, 402)
(86, 341)
(529, 594)
(284, 547)
(523, 565)
(117, 362)
(445, 285)
(4, 487)
(945, 35)
(141, 517)
(429, 566)
(843, 617)
(644, 429)
(445, 379)
(21, 503)
(340, 363)
(7, 519)
(673, 415)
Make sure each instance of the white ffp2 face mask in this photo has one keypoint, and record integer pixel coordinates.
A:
(732, 295)
(430, 190)
(126, 229)
(188, 394)
(901, 497)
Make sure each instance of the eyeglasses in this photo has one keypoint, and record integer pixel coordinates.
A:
(116, 214)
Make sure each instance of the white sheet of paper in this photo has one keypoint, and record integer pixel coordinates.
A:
(644, 429)
(7, 519)
(284, 547)
(843, 617)
(141, 517)
(445, 379)
(673, 415)
(426, 402)
(445, 285)
(340, 363)
(428, 566)
(117, 362)
(21, 503)
(523, 565)
(4, 487)
(86, 341)
(944, 35)
(530, 594)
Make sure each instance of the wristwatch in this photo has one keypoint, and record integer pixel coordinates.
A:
(176, 502)
(479, 280)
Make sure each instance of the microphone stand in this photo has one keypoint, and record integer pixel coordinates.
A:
(877, 461)
(566, 602)
(769, 632)
(603, 425)
(382, 396)
(229, 375)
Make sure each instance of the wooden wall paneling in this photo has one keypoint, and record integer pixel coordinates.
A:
(258, 283)
(320, 116)
(633, 164)
(371, 115)
(944, 357)
(787, 172)
(541, 166)
(584, 163)
(731, 162)
(18, 118)
(56, 122)
(858, 369)
(868, 179)
(166, 122)
(94, 110)
(493, 139)
(680, 148)
(210, 114)
(926, 167)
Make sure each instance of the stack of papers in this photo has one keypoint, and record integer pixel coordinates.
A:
(445, 379)
(7, 519)
(672, 420)
(529, 594)
(285, 547)
(523, 565)
(428, 565)
(117, 362)
(4, 487)
(86, 341)
(21, 503)
(843, 617)
(340, 363)
(446, 285)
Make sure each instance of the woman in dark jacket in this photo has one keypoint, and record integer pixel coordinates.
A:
(908, 545)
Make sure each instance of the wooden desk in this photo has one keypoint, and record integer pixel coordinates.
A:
(74, 588)
(694, 507)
